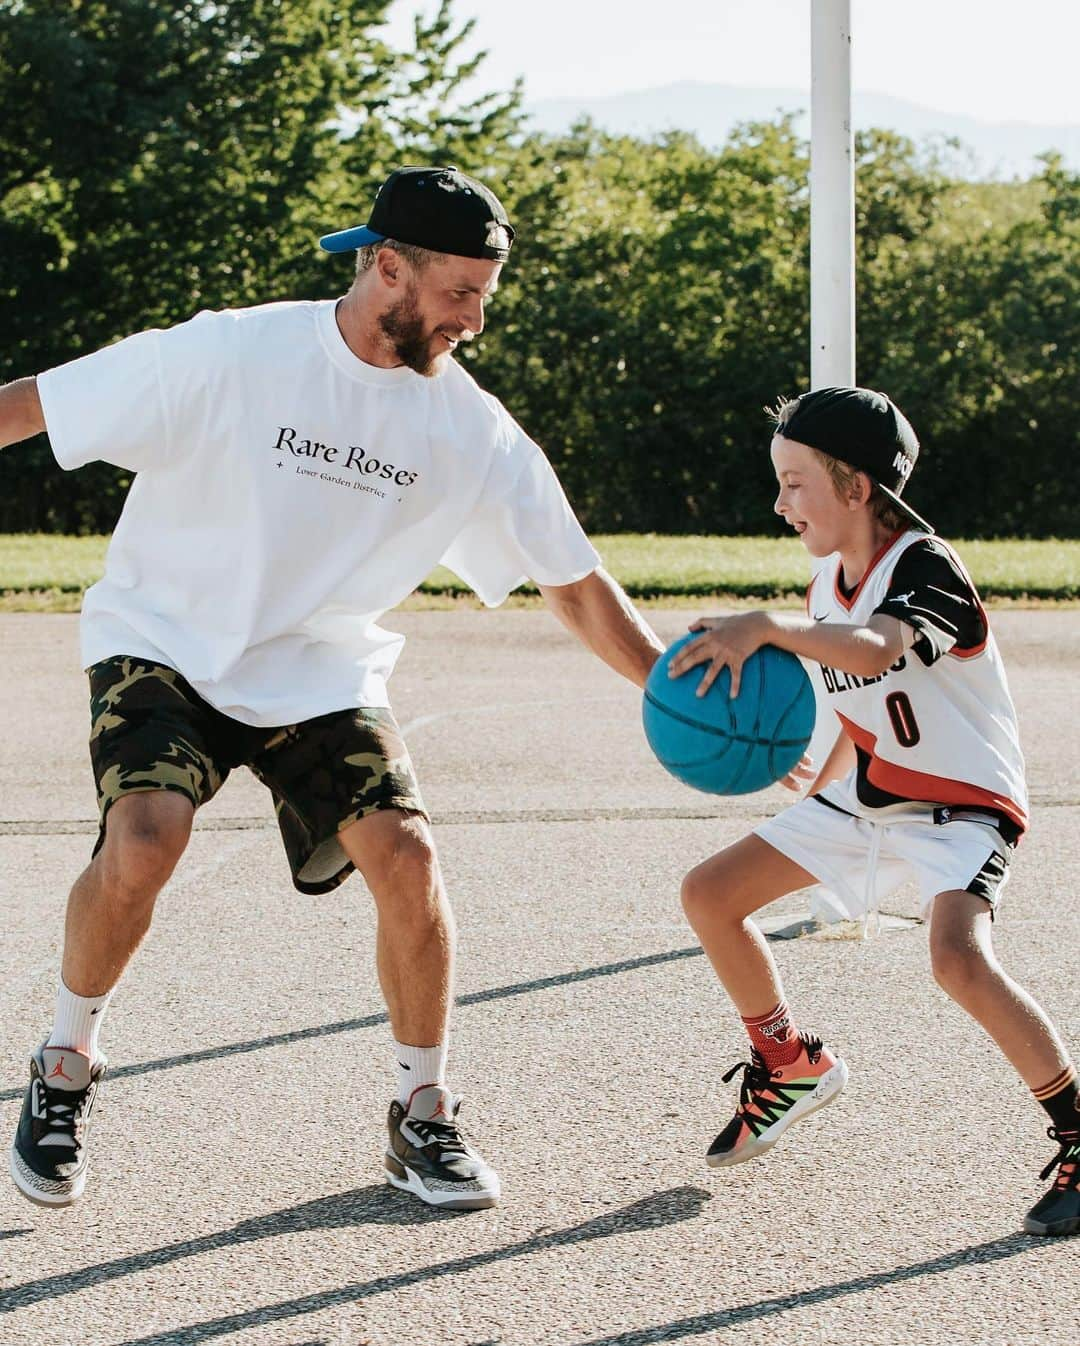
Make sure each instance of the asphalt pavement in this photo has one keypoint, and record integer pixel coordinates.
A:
(236, 1193)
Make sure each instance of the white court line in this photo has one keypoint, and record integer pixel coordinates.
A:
(422, 721)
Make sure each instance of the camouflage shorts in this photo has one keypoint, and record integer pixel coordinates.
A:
(150, 730)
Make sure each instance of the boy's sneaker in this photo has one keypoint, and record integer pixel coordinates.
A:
(770, 1100)
(429, 1156)
(49, 1157)
(1058, 1212)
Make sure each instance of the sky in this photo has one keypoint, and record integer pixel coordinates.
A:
(995, 60)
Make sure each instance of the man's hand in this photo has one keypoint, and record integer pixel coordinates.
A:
(727, 643)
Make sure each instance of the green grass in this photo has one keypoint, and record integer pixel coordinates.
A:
(44, 572)
(46, 561)
(651, 566)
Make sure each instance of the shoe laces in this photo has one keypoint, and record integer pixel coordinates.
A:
(446, 1135)
(757, 1076)
(64, 1111)
(1068, 1168)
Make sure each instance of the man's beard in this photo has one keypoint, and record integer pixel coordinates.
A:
(403, 326)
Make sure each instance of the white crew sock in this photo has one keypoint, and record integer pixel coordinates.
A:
(78, 1021)
(418, 1066)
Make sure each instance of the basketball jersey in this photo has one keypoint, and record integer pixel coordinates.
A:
(938, 728)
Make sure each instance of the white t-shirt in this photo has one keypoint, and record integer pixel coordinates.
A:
(287, 495)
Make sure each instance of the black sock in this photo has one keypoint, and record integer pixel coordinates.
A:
(1061, 1099)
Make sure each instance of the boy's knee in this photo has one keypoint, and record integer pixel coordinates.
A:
(960, 952)
(692, 894)
(958, 963)
(701, 894)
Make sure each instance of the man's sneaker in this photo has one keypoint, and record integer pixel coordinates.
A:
(1058, 1212)
(429, 1156)
(770, 1100)
(48, 1157)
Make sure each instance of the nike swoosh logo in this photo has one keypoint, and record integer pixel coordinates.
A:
(820, 619)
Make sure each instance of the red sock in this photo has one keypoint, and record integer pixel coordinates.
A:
(774, 1036)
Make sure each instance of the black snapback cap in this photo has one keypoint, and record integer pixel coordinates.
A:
(438, 208)
(861, 427)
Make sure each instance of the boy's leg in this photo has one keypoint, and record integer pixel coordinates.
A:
(789, 1074)
(719, 896)
(966, 968)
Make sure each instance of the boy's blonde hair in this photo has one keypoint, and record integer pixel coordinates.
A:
(841, 474)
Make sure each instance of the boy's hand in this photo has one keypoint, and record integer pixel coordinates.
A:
(727, 643)
(801, 774)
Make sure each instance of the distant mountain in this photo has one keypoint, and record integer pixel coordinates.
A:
(710, 111)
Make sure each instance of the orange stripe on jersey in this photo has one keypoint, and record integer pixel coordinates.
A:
(848, 601)
(921, 786)
(954, 653)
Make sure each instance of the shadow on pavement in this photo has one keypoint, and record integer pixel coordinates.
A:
(373, 1020)
(1010, 1246)
(374, 1205)
(368, 1205)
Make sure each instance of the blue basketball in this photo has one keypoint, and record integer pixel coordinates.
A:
(728, 746)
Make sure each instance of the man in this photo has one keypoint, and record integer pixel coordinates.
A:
(301, 468)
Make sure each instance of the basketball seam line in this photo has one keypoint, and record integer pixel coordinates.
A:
(720, 733)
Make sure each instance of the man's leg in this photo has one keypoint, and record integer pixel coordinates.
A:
(108, 914)
(112, 901)
(966, 968)
(414, 950)
(789, 1074)
(428, 1156)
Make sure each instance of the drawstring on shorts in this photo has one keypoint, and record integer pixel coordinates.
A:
(871, 906)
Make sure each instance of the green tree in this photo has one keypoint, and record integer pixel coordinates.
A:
(970, 321)
(653, 305)
(158, 157)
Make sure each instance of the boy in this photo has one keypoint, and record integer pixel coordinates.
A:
(926, 779)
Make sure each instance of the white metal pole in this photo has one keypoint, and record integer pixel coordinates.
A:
(832, 261)
(832, 197)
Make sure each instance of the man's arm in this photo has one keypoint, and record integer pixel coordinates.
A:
(597, 611)
(20, 411)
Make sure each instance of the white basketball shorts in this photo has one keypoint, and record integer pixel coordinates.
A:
(863, 861)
